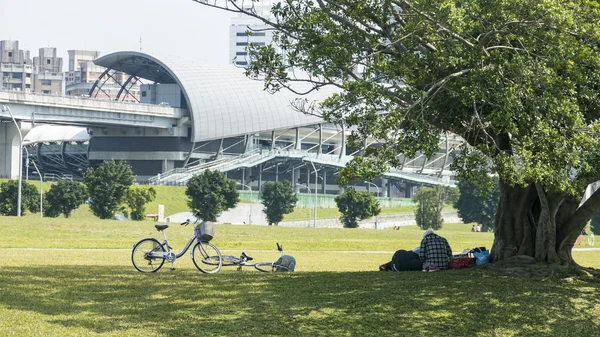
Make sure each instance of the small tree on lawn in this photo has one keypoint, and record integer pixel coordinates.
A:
(136, 199)
(279, 199)
(356, 206)
(107, 186)
(9, 191)
(430, 203)
(210, 193)
(478, 205)
(64, 197)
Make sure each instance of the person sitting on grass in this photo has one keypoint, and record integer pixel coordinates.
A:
(434, 252)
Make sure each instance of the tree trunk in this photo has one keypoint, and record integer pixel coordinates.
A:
(534, 222)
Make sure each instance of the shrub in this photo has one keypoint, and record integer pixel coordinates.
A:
(279, 199)
(356, 206)
(210, 193)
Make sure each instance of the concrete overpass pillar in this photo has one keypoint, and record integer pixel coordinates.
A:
(9, 151)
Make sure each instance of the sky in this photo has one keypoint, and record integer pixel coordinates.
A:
(167, 28)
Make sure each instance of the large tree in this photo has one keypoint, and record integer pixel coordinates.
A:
(518, 80)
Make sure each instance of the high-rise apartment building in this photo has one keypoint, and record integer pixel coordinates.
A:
(48, 76)
(83, 73)
(76, 59)
(16, 68)
(260, 34)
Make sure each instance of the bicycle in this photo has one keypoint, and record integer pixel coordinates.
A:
(285, 263)
(149, 255)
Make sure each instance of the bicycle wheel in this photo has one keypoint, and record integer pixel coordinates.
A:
(208, 257)
(228, 260)
(148, 255)
(264, 266)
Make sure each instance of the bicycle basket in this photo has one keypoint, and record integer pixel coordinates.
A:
(205, 230)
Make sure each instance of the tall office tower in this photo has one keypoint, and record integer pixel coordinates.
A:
(239, 39)
(83, 73)
(16, 68)
(48, 76)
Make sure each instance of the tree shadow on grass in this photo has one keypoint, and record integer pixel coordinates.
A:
(476, 302)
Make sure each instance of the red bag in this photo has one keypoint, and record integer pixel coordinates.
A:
(461, 262)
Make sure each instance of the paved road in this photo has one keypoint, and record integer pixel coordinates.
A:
(242, 214)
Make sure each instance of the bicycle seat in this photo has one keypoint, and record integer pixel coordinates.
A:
(161, 227)
(245, 257)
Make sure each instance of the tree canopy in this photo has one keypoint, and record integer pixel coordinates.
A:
(210, 193)
(430, 203)
(107, 185)
(9, 191)
(356, 206)
(517, 80)
(278, 199)
(136, 199)
(64, 197)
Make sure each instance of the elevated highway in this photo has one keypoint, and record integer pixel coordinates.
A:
(37, 108)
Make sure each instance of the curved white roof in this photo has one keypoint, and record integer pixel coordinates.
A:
(56, 133)
(222, 101)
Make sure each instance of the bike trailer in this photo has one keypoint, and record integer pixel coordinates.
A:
(285, 263)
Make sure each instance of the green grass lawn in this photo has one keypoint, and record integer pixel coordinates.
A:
(73, 277)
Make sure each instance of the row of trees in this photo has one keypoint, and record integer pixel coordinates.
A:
(211, 192)
(108, 188)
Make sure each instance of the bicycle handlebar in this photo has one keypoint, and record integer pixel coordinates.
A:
(186, 222)
(279, 248)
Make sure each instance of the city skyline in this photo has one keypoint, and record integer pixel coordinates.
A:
(178, 28)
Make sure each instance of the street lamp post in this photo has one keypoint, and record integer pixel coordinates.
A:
(41, 186)
(377, 187)
(249, 189)
(316, 187)
(368, 182)
(5, 108)
(309, 193)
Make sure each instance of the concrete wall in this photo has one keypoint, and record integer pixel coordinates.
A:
(405, 219)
